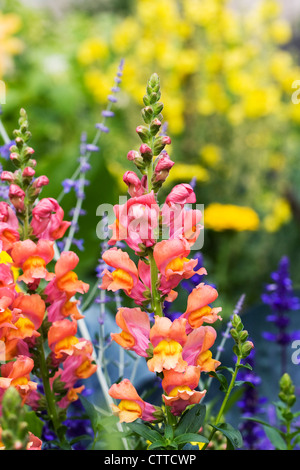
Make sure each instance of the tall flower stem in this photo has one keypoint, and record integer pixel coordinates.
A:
(156, 299)
(50, 399)
(224, 403)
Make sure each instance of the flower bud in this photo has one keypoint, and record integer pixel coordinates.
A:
(7, 176)
(28, 172)
(16, 196)
(147, 114)
(132, 155)
(143, 133)
(246, 348)
(146, 152)
(155, 126)
(160, 143)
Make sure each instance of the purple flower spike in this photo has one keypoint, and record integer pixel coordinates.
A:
(280, 298)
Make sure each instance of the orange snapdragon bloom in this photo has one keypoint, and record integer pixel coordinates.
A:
(32, 259)
(198, 310)
(65, 280)
(180, 389)
(172, 262)
(131, 406)
(17, 374)
(125, 274)
(61, 337)
(168, 339)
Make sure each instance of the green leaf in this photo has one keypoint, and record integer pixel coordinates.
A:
(145, 432)
(233, 436)
(275, 438)
(169, 432)
(222, 379)
(35, 424)
(92, 413)
(191, 421)
(190, 437)
(238, 383)
(157, 445)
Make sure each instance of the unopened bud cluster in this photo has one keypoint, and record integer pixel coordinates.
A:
(24, 187)
(242, 347)
(14, 427)
(153, 143)
(287, 391)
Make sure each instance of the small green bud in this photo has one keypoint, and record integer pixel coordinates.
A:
(155, 126)
(144, 134)
(157, 108)
(147, 114)
(246, 348)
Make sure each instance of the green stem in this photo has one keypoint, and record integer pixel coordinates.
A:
(50, 399)
(156, 299)
(221, 411)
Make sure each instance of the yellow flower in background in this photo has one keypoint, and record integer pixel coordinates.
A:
(91, 50)
(220, 217)
(210, 154)
(185, 172)
(279, 216)
(10, 24)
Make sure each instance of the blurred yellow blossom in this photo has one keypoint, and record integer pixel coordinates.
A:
(183, 172)
(210, 154)
(9, 45)
(91, 50)
(280, 215)
(221, 217)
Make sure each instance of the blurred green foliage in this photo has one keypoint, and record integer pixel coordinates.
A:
(250, 159)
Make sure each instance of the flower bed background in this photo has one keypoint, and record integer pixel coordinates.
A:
(227, 80)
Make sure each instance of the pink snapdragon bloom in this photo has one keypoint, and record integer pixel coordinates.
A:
(181, 194)
(9, 226)
(79, 365)
(136, 222)
(180, 389)
(163, 167)
(16, 196)
(17, 374)
(135, 326)
(6, 276)
(125, 274)
(63, 307)
(168, 339)
(65, 280)
(196, 351)
(131, 406)
(47, 220)
(136, 187)
(171, 259)
(198, 310)
(32, 258)
(34, 443)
